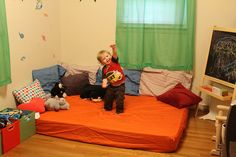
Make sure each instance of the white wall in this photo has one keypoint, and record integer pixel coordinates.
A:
(76, 31)
(210, 13)
(31, 52)
(86, 28)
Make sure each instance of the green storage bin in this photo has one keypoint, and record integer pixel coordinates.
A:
(27, 125)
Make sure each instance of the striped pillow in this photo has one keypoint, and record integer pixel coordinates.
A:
(155, 82)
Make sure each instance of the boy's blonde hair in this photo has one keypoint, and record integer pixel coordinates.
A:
(100, 53)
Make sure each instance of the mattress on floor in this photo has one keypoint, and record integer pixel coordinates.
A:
(146, 124)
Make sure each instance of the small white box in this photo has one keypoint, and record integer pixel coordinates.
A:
(216, 90)
(219, 91)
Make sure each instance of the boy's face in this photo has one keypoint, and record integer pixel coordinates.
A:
(105, 58)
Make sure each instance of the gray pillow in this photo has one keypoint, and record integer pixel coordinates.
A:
(74, 84)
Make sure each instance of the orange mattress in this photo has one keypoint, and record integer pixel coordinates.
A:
(146, 124)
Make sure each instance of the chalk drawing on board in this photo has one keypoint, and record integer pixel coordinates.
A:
(221, 62)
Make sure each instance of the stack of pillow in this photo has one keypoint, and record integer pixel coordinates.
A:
(171, 87)
(32, 96)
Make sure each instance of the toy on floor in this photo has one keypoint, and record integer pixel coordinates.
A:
(4, 120)
(12, 113)
(56, 104)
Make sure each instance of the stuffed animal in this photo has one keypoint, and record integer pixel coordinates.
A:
(93, 92)
(64, 105)
(58, 90)
(56, 99)
(56, 104)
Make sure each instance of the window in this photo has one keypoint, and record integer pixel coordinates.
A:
(155, 12)
(156, 33)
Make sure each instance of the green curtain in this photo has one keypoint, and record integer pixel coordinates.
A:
(5, 73)
(156, 33)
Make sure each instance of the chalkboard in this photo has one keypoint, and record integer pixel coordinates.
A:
(221, 62)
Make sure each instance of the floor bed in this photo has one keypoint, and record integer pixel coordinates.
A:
(146, 124)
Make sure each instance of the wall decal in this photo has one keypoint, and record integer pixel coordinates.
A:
(21, 35)
(94, 0)
(45, 14)
(22, 58)
(39, 5)
(43, 37)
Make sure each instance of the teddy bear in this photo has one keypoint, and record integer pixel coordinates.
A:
(56, 104)
(57, 100)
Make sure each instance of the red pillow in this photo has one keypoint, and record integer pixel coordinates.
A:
(179, 97)
(36, 105)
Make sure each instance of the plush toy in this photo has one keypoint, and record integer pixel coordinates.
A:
(56, 104)
(93, 92)
(56, 99)
(58, 90)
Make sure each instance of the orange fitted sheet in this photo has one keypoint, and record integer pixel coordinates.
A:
(146, 124)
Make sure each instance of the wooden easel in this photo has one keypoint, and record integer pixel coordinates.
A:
(221, 70)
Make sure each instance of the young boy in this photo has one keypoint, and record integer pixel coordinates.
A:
(113, 80)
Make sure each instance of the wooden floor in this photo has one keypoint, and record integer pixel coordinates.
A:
(196, 142)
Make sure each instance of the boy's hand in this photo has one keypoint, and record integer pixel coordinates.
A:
(104, 83)
(114, 50)
(113, 46)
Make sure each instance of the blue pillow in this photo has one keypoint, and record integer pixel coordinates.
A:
(132, 81)
(98, 77)
(49, 76)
